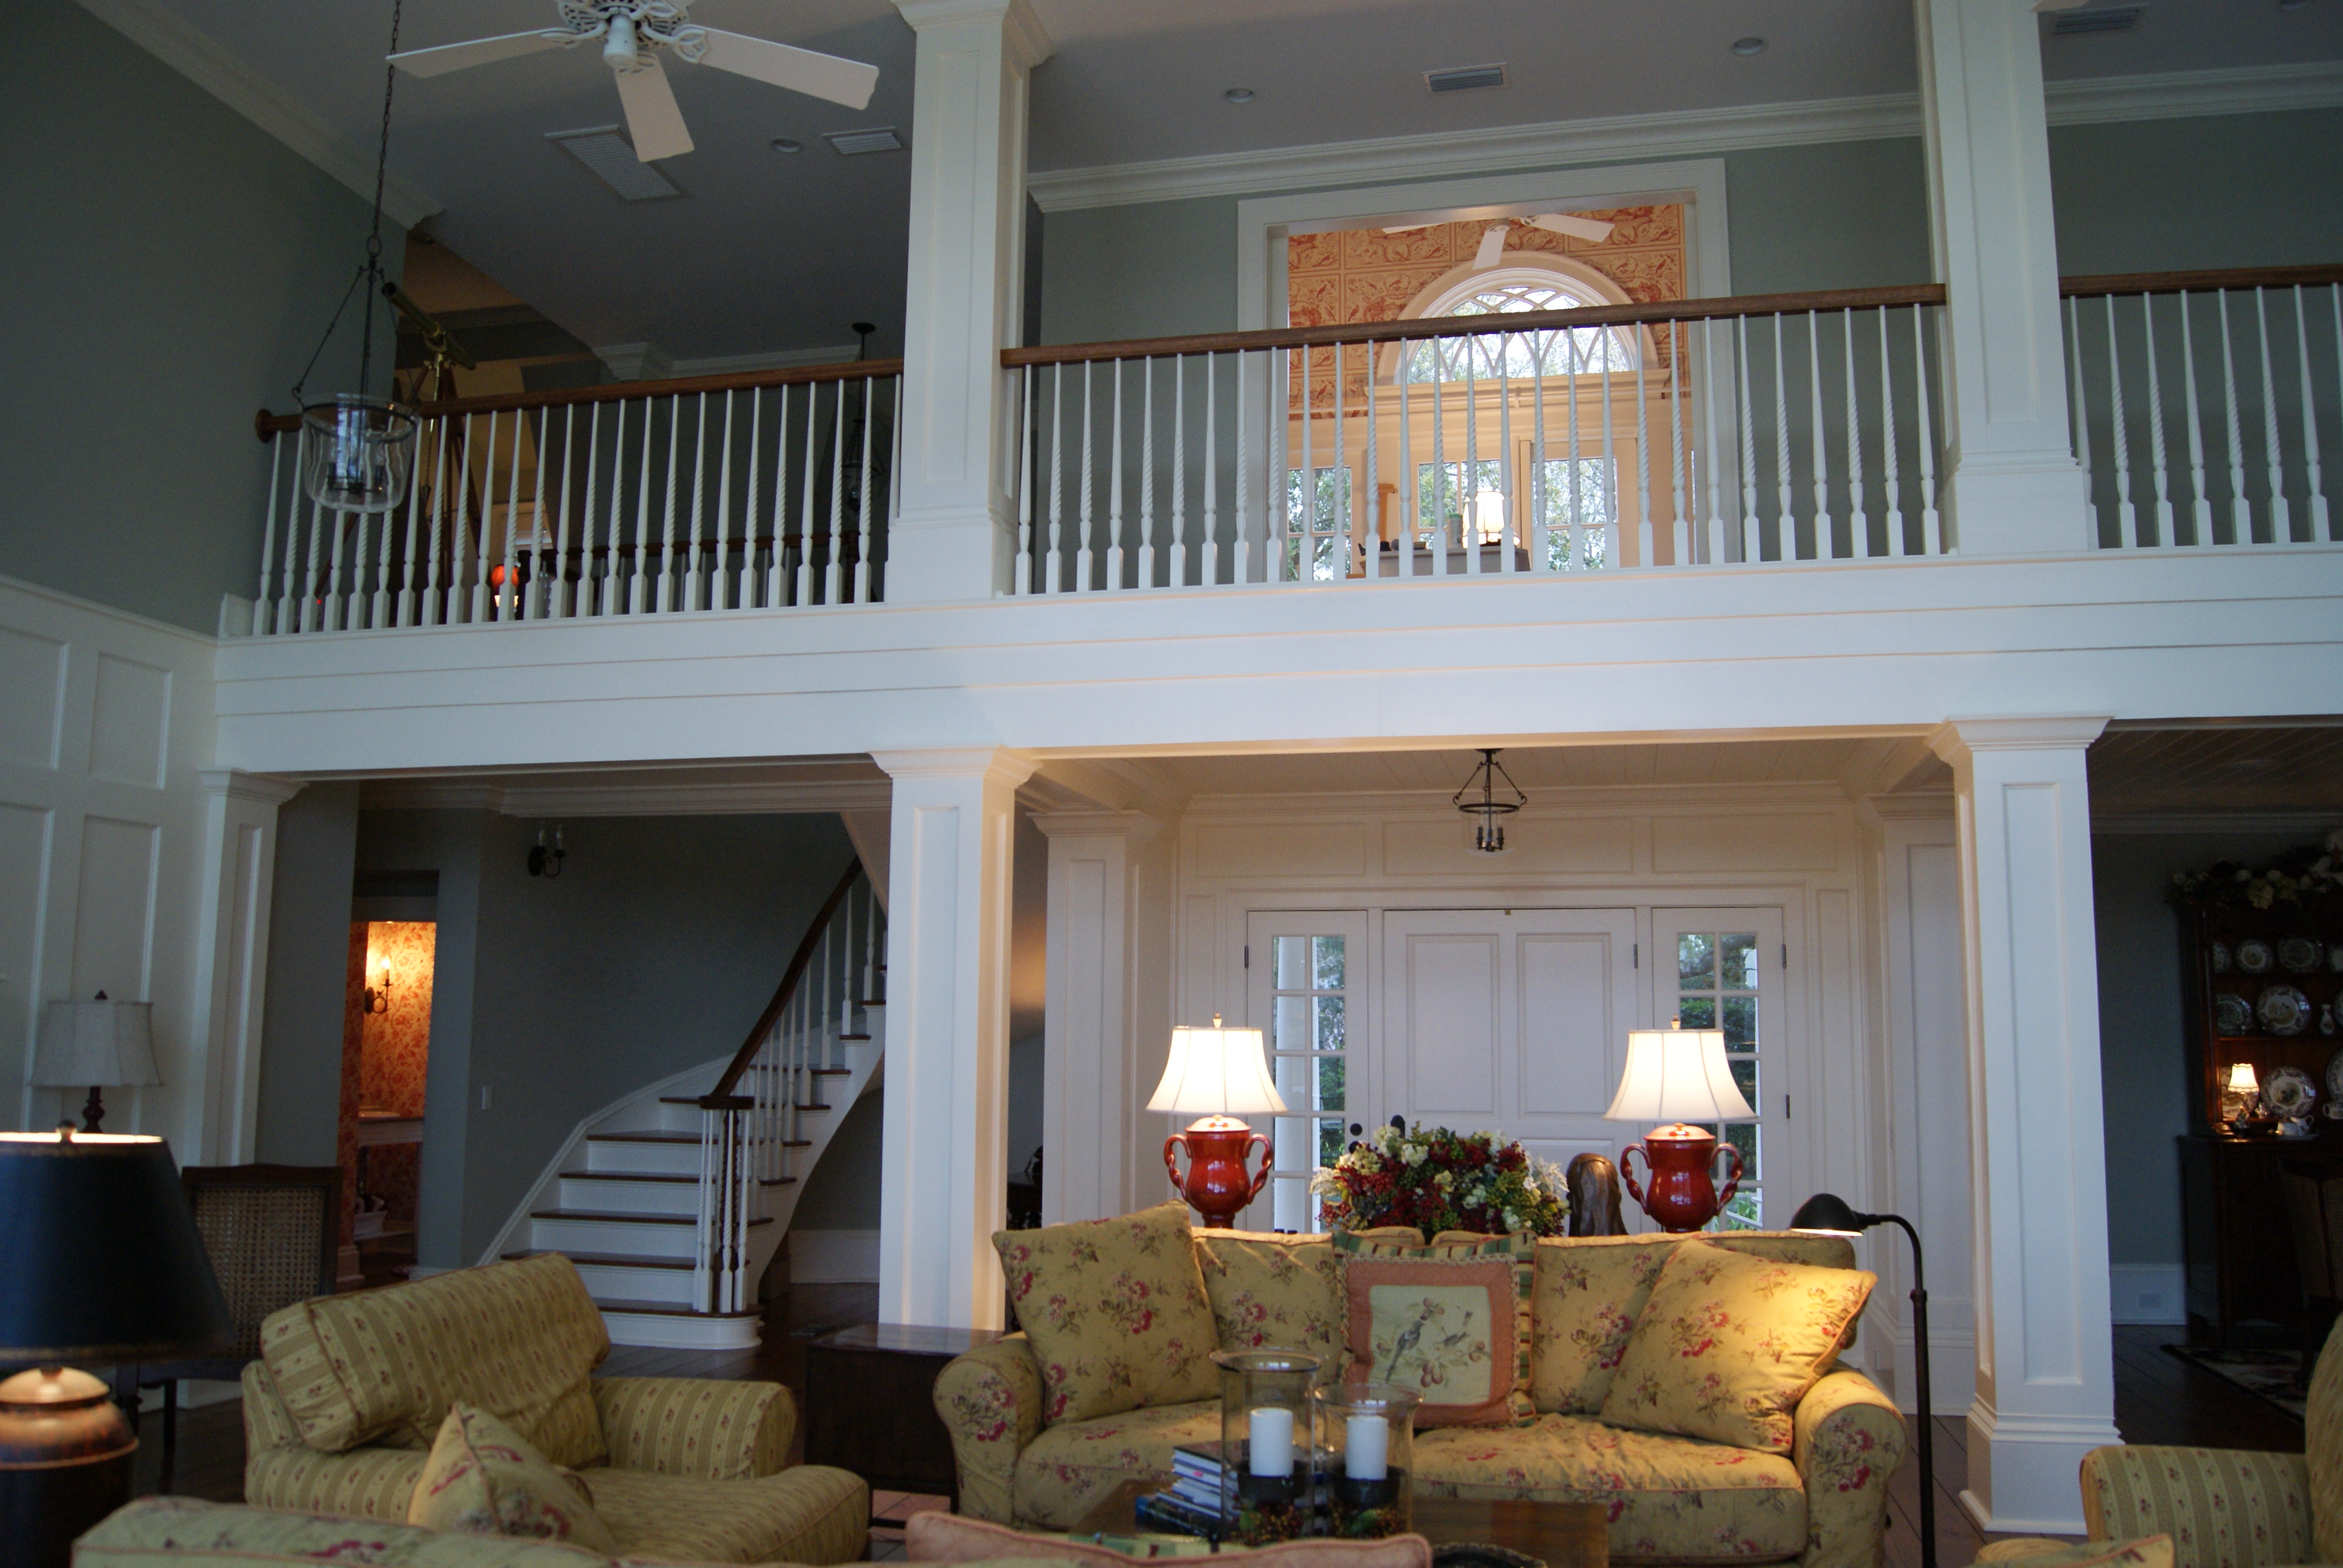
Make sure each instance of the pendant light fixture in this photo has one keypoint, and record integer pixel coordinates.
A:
(357, 451)
(1489, 836)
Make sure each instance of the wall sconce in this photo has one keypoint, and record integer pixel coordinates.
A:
(1489, 836)
(378, 995)
(545, 858)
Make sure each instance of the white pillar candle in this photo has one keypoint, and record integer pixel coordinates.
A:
(1271, 1432)
(1366, 1448)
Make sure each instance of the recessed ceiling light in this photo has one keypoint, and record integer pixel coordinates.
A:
(878, 139)
(1239, 95)
(1749, 45)
(788, 145)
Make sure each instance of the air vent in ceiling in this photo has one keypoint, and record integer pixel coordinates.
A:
(610, 158)
(2103, 19)
(879, 139)
(1466, 78)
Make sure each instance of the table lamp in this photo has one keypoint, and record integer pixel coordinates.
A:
(95, 1045)
(1676, 1075)
(1218, 1075)
(105, 1267)
(2244, 1093)
(1829, 1213)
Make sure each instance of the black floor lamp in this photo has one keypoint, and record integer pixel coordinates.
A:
(1828, 1211)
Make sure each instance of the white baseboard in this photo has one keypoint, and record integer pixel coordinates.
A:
(2146, 1293)
(833, 1257)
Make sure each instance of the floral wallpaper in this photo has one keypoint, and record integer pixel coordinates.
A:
(1367, 274)
(397, 1053)
(346, 1122)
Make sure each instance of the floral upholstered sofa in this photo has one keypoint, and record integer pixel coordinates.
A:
(341, 1411)
(1031, 1454)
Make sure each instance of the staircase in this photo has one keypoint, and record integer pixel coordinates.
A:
(672, 1201)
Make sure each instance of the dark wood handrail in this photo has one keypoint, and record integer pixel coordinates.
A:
(1421, 327)
(2195, 282)
(799, 963)
(265, 424)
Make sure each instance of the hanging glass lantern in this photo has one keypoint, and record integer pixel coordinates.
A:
(1489, 834)
(357, 453)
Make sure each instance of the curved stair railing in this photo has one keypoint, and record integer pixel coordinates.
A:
(753, 1119)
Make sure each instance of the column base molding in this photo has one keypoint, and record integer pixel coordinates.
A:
(2017, 507)
(2022, 1470)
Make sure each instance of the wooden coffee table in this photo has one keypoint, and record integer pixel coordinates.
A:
(1562, 1535)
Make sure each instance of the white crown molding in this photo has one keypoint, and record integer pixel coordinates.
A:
(782, 360)
(2259, 90)
(222, 74)
(677, 798)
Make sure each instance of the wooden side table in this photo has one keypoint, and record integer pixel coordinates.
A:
(870, 1405)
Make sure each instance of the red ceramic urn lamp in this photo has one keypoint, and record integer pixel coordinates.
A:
(1676, 1075)
(1218, 1075)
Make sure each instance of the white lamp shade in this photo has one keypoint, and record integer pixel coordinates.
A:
(95, 1044)
(1216, 1071)
(2242, 1080)
(1678, 1075)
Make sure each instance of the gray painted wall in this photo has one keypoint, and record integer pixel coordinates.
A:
(2143, 1070)
(1842, 215)
(842, 1192)
(169, 266)
(654, 951)
(309, 957)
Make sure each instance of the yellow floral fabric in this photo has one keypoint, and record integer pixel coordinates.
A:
(1588, 1290)
(1849, 1440)
(1071, 1467)
(1728, 1345)
(1116, 1312)
(2224, 1508)
(809, 1513)
(171, 1532)
(1665, 1497)
(484, 1479)
(2322, 1430)
(990, 1400)
(2040, 1552)
(705, 1428)
(519, 1340)
(1268, 1289)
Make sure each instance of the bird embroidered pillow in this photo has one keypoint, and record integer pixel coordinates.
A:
(1442, 1328)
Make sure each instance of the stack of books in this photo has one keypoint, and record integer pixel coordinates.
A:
(1192, 1502)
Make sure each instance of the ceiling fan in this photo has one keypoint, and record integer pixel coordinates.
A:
(1492, 243)
(634, 35)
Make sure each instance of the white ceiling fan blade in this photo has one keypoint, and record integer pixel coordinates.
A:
(847, 82)
(653, 121)
(1407, 228)
(1593, 230)
(449, 57)
(1492, 246)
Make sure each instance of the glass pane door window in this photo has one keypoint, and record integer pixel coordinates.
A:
(1306, 974)
(1729, 978)
(1317, 524)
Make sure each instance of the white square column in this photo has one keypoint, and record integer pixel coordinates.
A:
(2045, 1348)
(222, 1112)
(1108, 1029)
(2012, 486)
(955, 536)
(944, 1186)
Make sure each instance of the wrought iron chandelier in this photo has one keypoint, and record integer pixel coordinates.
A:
(1489, 836)
(357, 451)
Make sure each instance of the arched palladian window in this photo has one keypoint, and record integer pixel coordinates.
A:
(1518, 290)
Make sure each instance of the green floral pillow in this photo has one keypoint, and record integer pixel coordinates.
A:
(1116, 1311)
(1589, 1290)
(1518, 1251)
(1269, 1289)
(1729, 1343)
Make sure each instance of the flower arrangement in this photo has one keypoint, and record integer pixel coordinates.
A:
(2298, 877)
(1437, 1181)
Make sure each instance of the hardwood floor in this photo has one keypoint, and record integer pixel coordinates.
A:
(2159, 1398)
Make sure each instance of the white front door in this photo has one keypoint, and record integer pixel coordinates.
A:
(1726, 969)
(1510, 1020)
(1304, 990)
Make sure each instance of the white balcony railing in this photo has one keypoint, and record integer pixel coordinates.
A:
(1758, 431)
(2201, 404)
(753, 491)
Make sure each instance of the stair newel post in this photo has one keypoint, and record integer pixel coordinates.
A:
(703, 1251)
(744, 1211)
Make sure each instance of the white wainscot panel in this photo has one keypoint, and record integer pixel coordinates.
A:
(130, 729)
(1297, 850)
(23, 884)
(1799, 841)
(1452, 1025)
(32, 680)
(115, 922)
(1531, 844)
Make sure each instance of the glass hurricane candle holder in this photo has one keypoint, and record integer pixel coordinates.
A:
(1370, 1438)
(1268, 1439)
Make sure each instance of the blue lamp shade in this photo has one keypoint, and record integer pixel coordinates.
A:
(102, 1261)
